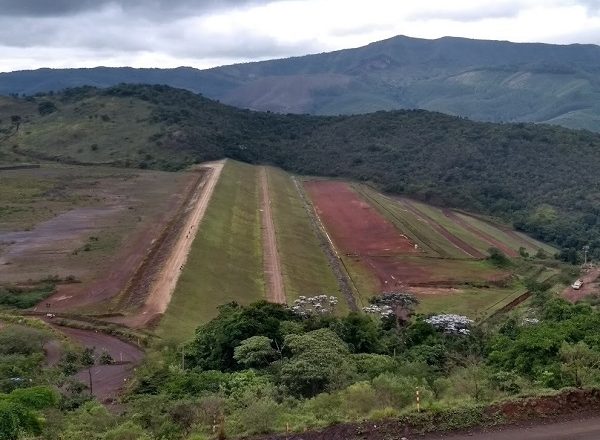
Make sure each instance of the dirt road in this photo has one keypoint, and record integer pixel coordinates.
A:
(163, 284)
(584, 427)
(107, 380)
(580, 429)
(590, 285)
(272, 262)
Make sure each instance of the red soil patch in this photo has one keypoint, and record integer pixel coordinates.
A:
(590, 286)
(359, 230)
(355, 225)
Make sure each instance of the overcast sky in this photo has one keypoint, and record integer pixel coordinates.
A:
(205, 33)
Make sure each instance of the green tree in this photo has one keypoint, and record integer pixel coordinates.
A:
(88, 360)
(19, 411)
(22, 340)
(578, 361)
(319, 361)
(256, 352)
(215, 342)
(360, 332)
(497, 257)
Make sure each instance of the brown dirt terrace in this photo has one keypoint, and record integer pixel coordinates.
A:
(360, 232)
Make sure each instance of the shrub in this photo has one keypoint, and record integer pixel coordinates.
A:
(359, 399)
(399, 391)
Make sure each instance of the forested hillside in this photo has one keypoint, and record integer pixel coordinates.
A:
(542, 178)
(484, 80)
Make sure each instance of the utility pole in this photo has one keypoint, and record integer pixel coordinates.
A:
(586, 249)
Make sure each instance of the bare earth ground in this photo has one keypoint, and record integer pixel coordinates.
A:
(164, 280)
(121, 209)
(586, 426)
(590, 285)
(272, 262)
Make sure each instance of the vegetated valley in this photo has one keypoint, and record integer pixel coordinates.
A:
(171, 267)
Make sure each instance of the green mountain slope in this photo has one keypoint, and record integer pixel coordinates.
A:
(483, 80)
(543, 178)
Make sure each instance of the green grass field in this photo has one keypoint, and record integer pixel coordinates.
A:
(474, 303)
(459, 231)
(225, 263)
(304, 265)
(514, 241)
(98, 130)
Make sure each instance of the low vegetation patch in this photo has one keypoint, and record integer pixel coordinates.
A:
(25, 297)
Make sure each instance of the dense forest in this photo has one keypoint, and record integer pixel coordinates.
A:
(541, 178)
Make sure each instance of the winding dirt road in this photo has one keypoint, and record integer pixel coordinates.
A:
(271, 260)
(107, 380)
(163, 283)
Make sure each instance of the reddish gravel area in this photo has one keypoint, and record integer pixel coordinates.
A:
(359, 231)
(107, 380)
(354, 225)
(590, 285)
(130, 256)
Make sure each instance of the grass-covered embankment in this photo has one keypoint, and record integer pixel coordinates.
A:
(225, 262)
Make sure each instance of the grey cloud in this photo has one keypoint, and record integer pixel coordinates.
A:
(150, 8)
(593, 6)
(41, 8)
(499, 10)
(116, 34)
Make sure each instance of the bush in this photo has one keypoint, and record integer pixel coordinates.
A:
(325, 407)
(497, 258)
(369, 366)
(399, 391)
(259, 417)
(359, 399)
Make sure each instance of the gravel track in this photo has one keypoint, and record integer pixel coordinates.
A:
(271, 260)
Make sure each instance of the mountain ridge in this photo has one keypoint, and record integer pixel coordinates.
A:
(485, 80)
